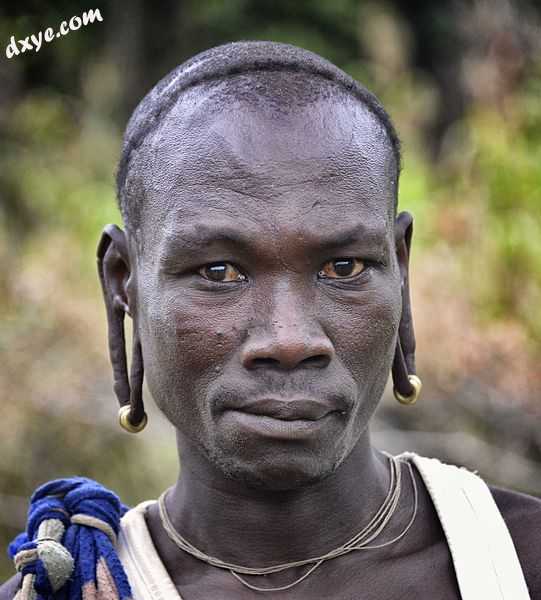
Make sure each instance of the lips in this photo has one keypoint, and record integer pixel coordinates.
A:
(288, 409)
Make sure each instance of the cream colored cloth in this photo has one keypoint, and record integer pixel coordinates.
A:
(484, 557)
(147, 576)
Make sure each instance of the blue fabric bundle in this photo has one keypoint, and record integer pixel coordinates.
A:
(68, 550)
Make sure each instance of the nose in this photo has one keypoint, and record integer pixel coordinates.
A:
(289, 339)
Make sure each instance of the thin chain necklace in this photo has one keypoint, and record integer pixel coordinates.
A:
(360, 541)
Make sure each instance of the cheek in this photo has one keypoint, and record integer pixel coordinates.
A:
(365, 346)
(364, 331)
(186, 344)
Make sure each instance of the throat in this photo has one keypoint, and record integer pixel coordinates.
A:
(264, 530)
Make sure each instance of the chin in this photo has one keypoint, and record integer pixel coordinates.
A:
(288, 474)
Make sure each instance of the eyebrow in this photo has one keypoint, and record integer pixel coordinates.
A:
(195, 239)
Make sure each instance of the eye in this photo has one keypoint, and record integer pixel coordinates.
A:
(222, 272)
(341, 268)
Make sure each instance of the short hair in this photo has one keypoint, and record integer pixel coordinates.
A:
(226, 61)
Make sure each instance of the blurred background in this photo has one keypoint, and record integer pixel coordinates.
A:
(462, 81)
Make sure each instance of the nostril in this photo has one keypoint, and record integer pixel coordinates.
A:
(319, 361)
(264, 362)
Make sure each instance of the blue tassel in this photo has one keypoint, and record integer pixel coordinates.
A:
(70, 536)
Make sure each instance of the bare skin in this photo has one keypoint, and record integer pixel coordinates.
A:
(264, 308)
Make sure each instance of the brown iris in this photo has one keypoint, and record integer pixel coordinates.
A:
(223, 272)
(339, 268)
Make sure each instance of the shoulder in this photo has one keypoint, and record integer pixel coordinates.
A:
(10, 587)
(522, 515)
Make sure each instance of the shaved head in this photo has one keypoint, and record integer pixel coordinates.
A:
(253, 76)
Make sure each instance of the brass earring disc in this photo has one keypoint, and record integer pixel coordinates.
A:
(417, 385)
(125, 423)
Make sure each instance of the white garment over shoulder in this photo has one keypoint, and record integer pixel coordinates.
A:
(147, 576)
(484, 557)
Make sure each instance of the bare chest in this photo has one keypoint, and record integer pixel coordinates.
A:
(423, 576)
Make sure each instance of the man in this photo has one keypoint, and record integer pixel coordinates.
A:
(266, 272)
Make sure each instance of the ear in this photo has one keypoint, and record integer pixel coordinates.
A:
(114, 273)
(403, 236)
(404, 363)
(114, 268)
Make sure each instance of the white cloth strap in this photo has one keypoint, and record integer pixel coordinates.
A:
(148, 578)
(484, 556)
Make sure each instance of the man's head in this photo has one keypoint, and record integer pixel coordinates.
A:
(261, 265)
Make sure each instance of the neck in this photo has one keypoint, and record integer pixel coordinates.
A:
(226, 519)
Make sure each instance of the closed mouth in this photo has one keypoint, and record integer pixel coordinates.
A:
(283, 409)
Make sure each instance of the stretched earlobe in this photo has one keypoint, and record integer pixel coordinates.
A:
(406, 384)
(114, 270)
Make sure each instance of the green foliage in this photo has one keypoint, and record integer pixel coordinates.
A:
(59, 170)
(496, 180)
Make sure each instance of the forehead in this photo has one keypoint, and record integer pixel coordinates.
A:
(279, 163)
